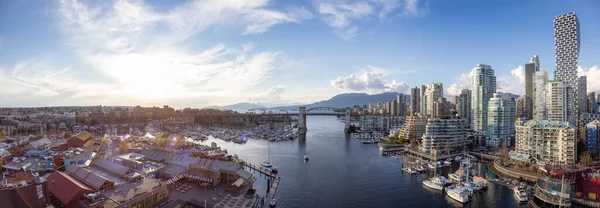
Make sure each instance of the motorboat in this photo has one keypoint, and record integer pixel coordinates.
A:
(433, 183)
(457, 158)
(409, 170)
(458, 194)
(273, 203)
(305, 157)
(447, 163)
(520, 194)
(421, 168)
(434, 165)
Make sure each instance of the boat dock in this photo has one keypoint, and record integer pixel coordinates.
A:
(430, 157)
(272, 180)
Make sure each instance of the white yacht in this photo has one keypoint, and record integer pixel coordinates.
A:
(458, 194)
(455, 177)
(267, 165)
(409, 170)
(520, 194)
(306, 157)
(421, 168)
(431, 183)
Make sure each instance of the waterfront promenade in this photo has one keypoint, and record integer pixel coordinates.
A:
(513, 172)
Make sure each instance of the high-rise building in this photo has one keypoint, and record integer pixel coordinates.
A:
(522, 108)
(592, 103)
(463, 106)
(501, 120)
(401, 105)
(433, 93)
(423, 101)
(559, 101)
(440, 108)
(582, 95)
(393, 108)
(530, 70)
(592, 136)
(415, 100)
(443, 135)
(566, 46)
(539, 95)
(484, 86)
(534, 137)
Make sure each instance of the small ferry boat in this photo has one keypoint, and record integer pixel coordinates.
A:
(305, 157)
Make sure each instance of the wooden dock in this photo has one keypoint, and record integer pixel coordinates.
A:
(273, 180)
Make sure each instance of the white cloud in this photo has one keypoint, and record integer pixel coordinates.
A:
(513, 83)
(137, 48)
(340, 15)
(463, 81)
(370, 81)
(593, 75)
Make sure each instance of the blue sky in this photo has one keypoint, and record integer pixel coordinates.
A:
(215, 52)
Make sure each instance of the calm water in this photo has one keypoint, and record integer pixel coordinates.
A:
(342, 172)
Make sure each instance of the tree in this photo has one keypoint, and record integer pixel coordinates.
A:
(585, 158)
(3, 133)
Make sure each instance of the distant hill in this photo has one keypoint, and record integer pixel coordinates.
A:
(240, 106)
(346, 100)
(509, 95)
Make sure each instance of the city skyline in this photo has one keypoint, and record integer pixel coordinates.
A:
(277, 53)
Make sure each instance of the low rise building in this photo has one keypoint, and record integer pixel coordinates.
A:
(97, 182)
(40, 144)
(146, 192)
(550, 142)
(80, 139)
(81, 157)
(371, 123)
(65, 191)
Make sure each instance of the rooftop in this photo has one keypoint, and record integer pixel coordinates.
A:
(128, 191)
(77, 152)
(83, 135)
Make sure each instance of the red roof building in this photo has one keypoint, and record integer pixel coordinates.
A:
(65, 190)
(80, 139)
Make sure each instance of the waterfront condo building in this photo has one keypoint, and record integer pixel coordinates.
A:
(540, 80)
(484, 86)
(413, 127)
(559, 101)
(444, 135)
(566, 46)
(551, 142)
(501, 120)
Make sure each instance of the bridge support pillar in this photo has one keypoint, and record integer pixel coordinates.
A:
(302, 120)
(347, 120)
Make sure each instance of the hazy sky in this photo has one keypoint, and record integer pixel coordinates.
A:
(217, 52)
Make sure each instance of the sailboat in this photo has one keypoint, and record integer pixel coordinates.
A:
(267, 164)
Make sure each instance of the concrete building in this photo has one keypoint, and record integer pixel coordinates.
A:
(592, 103)
(463, 105)
(413, 127)
(415, 100)
(369, 123)
(423, 109)
(539, 95)
(530, 69)
(581, 96)
(559, 101)
(484, 86)
(444, 135)
(592, 136)
(433, 93)
(522, 110)
(566, 45)
(401, 105)
(551, 142)
(441, 107)
(501, 120)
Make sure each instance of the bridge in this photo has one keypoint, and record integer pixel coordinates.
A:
(285, 117)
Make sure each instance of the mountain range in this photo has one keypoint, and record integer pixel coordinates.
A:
(338, 101)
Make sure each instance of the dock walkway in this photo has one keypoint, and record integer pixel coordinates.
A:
(273, 179)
